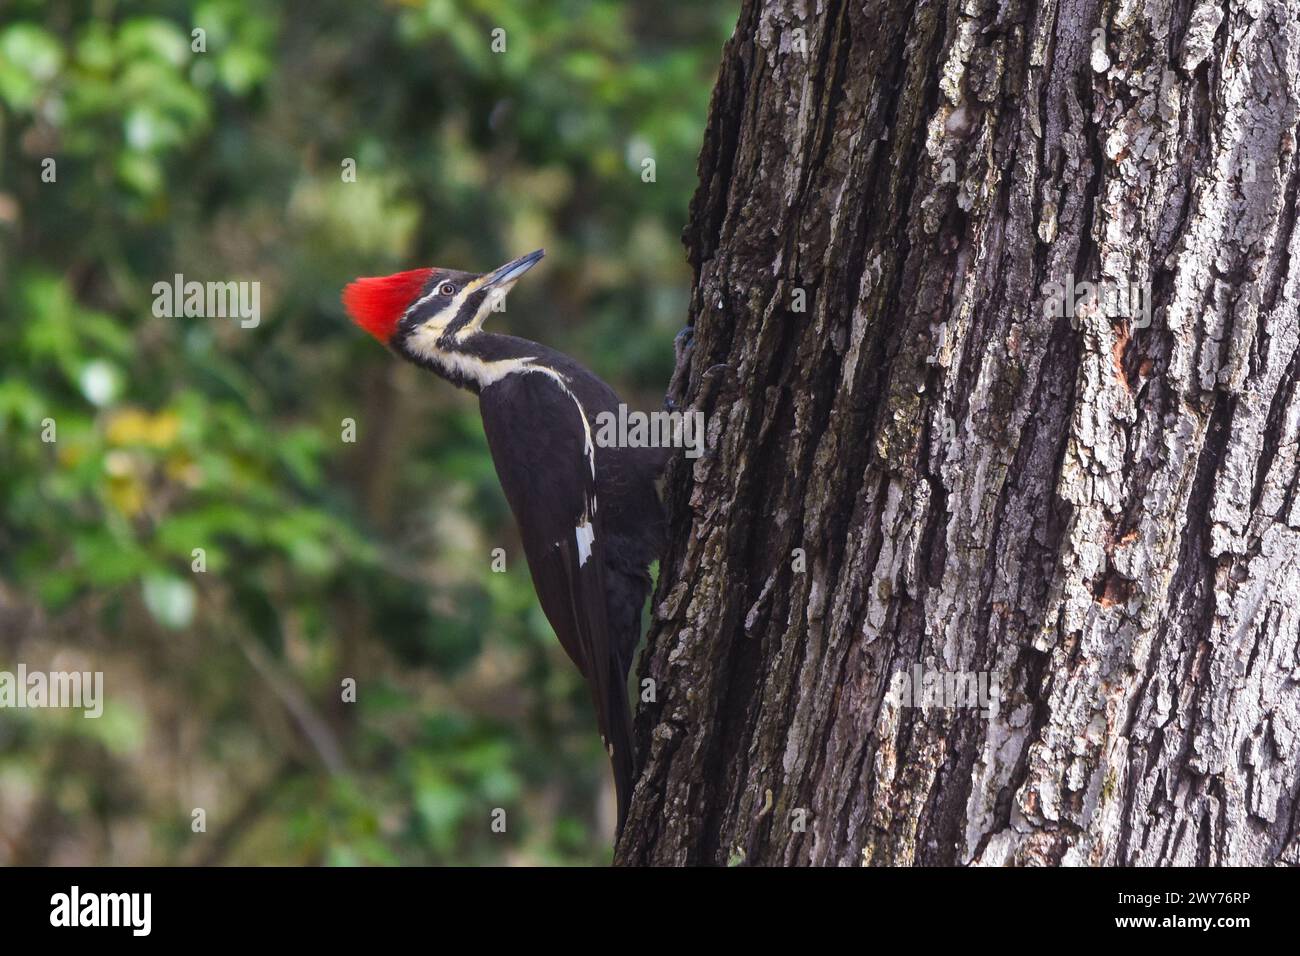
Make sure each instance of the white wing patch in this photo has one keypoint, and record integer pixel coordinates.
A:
(488, 372)
(585, 535)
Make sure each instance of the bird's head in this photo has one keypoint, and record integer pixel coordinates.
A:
(425, 311)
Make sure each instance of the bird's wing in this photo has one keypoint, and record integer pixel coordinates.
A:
(541, 443)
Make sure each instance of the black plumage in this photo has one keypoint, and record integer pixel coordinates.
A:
(589, 517)
(592, 597)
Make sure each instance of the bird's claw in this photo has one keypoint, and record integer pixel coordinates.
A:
(683, 341)
(683, 344)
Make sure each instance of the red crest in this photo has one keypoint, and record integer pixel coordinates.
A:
(377, 304)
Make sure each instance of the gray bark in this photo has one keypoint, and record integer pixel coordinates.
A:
(1102, 516)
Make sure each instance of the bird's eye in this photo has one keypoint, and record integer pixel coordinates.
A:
(447, 289)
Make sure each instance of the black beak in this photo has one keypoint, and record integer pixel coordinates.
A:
(513, 269)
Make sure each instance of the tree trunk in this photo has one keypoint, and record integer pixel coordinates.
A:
(935, 471)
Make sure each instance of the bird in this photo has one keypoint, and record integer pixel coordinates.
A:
(589, 514)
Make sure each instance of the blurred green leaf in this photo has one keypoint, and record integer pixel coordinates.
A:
(30, 57)
(169, 599)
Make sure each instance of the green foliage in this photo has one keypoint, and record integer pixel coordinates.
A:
(178, 507)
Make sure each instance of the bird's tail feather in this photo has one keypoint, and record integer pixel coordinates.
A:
(621, 757)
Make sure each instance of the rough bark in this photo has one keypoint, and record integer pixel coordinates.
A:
(1101, 515)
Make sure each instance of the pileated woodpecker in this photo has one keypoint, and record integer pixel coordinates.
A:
(590, 517)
